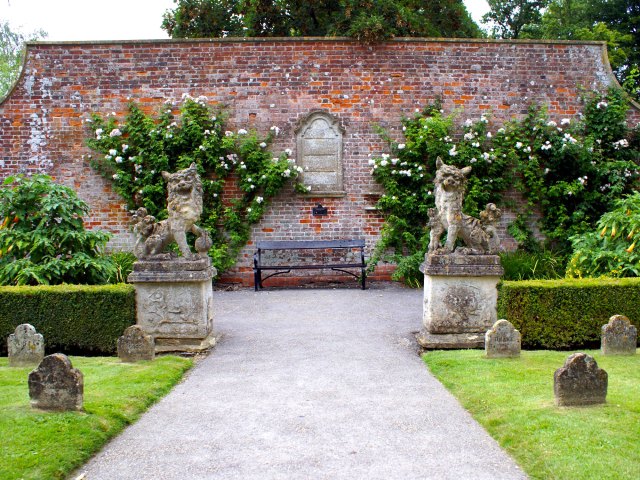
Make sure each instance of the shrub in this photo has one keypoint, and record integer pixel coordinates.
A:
(563, 314)
(538, 265)
(72, 318)
(42, 235)
(611, 249)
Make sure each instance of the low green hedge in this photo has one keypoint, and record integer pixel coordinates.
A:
(72, 318)
(568, 313)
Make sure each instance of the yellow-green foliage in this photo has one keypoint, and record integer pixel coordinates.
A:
(71, 317)
(568, 313)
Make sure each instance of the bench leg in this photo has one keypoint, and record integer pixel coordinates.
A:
(364, 279)
(257, 281)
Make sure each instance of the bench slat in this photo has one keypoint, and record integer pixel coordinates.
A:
(308, 244)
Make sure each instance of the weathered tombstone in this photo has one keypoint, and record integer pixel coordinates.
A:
(134, 345)
(619, 337)
(580, 382)
(56, 385)
(502, 340)
(25, 346)
(174, 295)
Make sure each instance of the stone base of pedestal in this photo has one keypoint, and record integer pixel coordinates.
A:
(451, 341)
(174, 303)
(460, 298)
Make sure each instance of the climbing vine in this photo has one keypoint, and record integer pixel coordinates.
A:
(134, 152)
(570, 171)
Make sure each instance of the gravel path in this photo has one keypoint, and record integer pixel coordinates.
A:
(308, 384)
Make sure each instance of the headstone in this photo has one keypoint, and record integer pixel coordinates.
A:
(25, 346)
(56, 385)
(502, 340)
(580, 382)
(134, 345)
(619, 337)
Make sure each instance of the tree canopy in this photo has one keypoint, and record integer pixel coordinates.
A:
(615, 21)
(11, 49)
(365, 20)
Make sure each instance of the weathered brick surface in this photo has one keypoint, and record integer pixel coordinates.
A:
(268, 82)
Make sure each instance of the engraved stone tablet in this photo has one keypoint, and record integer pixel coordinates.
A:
(25, 346)
(619, 337)
(56, 385)
(319, 145)
(134, 345)
(502, 340)
(580, 382)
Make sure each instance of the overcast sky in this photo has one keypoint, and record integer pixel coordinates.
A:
(107, 20)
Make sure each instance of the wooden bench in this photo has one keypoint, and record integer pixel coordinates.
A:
(259, 266)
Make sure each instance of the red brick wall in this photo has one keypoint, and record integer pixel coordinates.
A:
(266, 82)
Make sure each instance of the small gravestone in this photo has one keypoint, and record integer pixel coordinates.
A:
(25, 346)
(502, 340)
(619, 337)
(580, 382)
(56, 385)
(134, 345)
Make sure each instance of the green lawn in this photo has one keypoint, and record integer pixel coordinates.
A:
(44, 445)
(513, 399)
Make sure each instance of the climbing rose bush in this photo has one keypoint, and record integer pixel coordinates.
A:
(571, 170)
(134, 151)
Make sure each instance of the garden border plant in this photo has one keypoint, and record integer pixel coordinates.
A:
(571, 173)
(136, 149)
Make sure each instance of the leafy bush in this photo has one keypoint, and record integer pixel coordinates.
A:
(137, 150)
(72, 318)
(539, 265)
(611, 250)
(42, 236)
(563, 314)
(123, 262)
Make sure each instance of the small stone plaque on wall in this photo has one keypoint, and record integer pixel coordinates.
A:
(319, 153)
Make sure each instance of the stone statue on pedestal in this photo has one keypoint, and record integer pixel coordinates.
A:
(184, 205)
(460, 293)
(479, 235)
(174, 295)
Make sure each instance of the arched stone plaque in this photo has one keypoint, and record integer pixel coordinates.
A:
(319, 153)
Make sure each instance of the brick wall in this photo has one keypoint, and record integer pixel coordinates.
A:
(266, 82)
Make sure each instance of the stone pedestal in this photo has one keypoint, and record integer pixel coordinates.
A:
(460, 298)
(174, 303)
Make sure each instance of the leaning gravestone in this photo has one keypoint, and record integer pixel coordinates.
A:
(580, 382)
(619, 337)
(25, 346)
(134, 345)
(502, 340)
(56, 385)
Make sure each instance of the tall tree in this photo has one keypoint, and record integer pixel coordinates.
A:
(514, 18)
(615, 21)
(366, 20)
(11, 50)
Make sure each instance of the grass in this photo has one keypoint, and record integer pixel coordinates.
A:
(513, 399)
(46, 445)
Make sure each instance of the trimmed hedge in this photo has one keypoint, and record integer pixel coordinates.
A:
(72, 318)
(568, 313)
